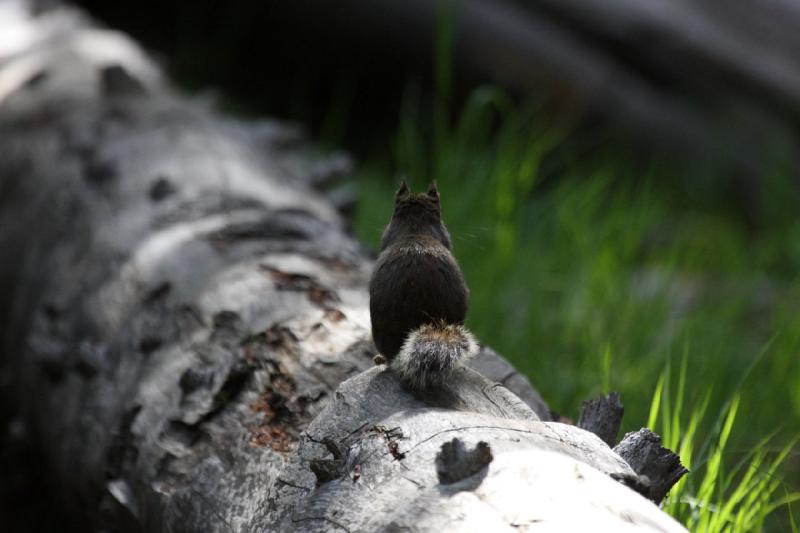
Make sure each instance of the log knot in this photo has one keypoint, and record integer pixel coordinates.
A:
(326, 470)
(454, 462)
(116, 81)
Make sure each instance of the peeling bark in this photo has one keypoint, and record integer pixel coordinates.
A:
(188, 326)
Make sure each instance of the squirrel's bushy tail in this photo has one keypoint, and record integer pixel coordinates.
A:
(432, 352)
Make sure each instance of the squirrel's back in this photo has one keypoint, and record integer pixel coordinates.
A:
(415, 282)
(418, 295)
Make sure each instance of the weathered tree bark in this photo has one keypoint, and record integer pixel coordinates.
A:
(187, 324)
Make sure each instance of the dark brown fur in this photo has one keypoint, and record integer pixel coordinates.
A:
(416, 280)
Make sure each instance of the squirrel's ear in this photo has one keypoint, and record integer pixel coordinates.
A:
(433, 192)
(402, 191)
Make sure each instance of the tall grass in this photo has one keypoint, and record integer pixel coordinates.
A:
(719, 495)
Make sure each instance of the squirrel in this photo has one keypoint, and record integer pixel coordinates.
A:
(418, 295)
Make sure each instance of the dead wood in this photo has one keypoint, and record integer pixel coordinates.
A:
(603, 417)
(662, 468)
(187, 324)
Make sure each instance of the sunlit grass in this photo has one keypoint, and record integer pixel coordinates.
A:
(719, 495)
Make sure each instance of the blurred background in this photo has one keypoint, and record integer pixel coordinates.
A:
(620, 179)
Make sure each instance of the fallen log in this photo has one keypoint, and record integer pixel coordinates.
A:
(187, 326)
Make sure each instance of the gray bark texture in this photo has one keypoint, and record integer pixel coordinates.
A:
(186, 322)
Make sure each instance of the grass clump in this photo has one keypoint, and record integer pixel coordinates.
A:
(728, 491)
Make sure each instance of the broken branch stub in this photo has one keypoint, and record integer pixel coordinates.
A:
(454, 462)
(642, 450)
(603, 417)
